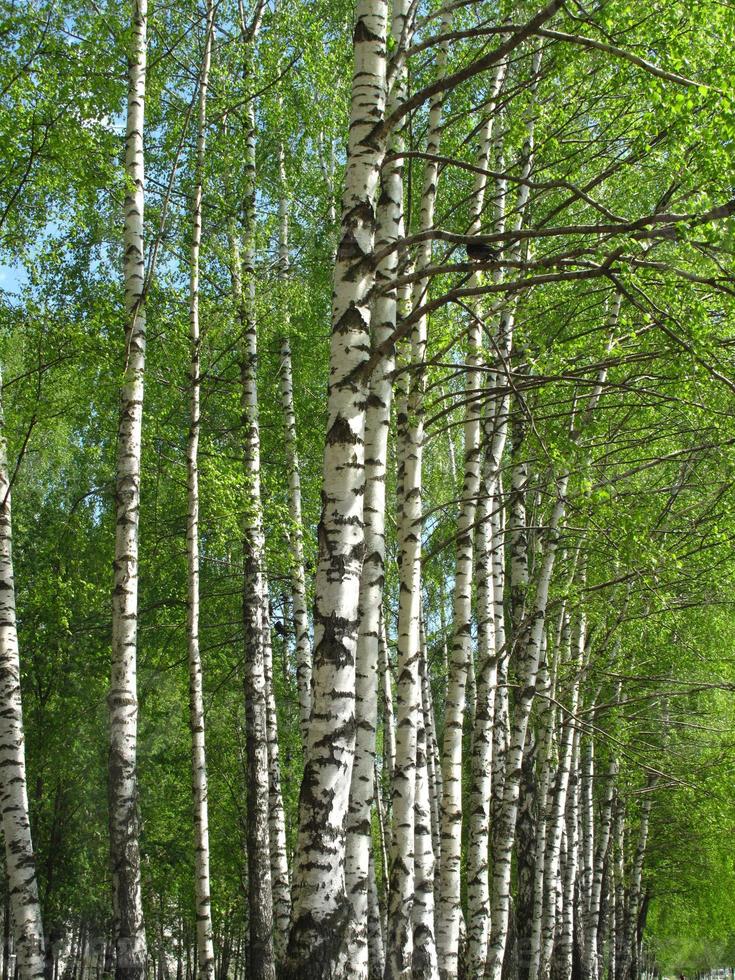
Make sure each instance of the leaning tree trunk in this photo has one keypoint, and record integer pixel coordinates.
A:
(127, 903)
(205, 945)
(20, 862)
(321, 909)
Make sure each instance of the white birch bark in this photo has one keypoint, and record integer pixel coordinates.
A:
(389, 730)
(527, 671)
(321, 910)
(587, 839)
(20, 862)
(424, 965)
(410, 422)
(205, 944)
(632, 909)
(565, 955)
(543, 885)
(432, 753)
(501, 732)
(616, 952)
(296, 534)
(256, 619)
(280, 883)
(591, 964)
(377, 425)
(559, 800)
(478, 891)
(130, 942)
(376, 946)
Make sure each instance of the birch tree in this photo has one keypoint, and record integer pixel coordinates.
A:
(130, 941)
(321, 909)
(20, 861)
(377, 424)
(205, 945)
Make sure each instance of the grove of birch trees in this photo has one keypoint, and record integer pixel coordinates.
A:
(367, 407)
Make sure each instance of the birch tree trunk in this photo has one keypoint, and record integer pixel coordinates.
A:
(478, 891)
(410, 424)
(389, 731)
(280, 883)
(377, 424)
(130, 942)
(630, 936)
(205, 945)
(565, 957)
(587, 841)
(321, 909)
(543, 885)
(591, 964)
(559, 800)
(256, 619)
(376, 947)
(432, 752)
(296, 536)
(20, 862)
(424, 965)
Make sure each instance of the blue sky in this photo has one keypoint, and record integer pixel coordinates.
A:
(12, 277)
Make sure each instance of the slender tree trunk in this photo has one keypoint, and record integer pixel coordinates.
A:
(127, 902)
(591, 964)
(205, 946)
(389, 730)
(321, 909)
(432, 752)
(20, 863)
(410, 424)
(424, 964)
(255, 590)
(296, 536)
(632, 910)
(587, 841)
(276, 815)
(478, 891)
(376, 947)
(617, 952)
(565, 958)
(559, 805)
(542, 885)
